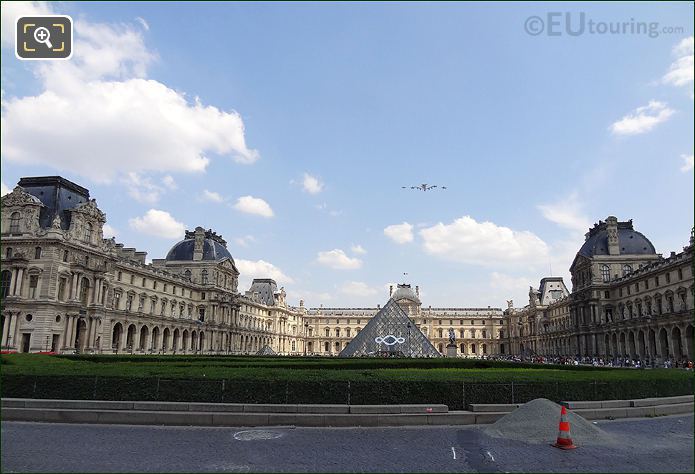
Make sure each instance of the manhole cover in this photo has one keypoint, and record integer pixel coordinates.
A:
(254, 435)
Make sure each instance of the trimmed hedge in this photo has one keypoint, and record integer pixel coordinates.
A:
(456, 395)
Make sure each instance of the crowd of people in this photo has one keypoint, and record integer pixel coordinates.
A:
(637, 363)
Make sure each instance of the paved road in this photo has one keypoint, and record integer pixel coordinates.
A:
(649, 445)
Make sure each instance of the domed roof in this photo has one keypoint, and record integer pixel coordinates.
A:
(405, 292)
(214, 248)
(630, 241)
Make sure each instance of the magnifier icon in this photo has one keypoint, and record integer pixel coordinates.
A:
(42, 35)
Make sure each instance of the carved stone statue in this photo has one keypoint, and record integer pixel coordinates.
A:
(452, 336)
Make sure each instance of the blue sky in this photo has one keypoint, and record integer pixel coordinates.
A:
(290, 129)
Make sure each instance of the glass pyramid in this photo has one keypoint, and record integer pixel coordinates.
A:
(390, 333)
(266, 351)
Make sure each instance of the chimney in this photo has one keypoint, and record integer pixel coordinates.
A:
(199, 241)
(301, 303)
(612, 229)
(390, 290)
(417, 290)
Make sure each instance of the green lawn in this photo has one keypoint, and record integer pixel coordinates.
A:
(318, 369)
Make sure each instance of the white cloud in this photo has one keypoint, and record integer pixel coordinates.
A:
(250, 269)
(109, 112)
(253, 205)
(245, 240)
(5, 189)
(169, 182)
(642, 119)
(311, 184)
(358, 288)
(141, 188)
(12, 10)
(337, 259)
(687, 163)
(400, 233)
(212, 196)
(681, 71)
(484, 243)
(566, 213)
(358, 249)
(159, 224)
(502, 281)
(109, 231)
(142, 21)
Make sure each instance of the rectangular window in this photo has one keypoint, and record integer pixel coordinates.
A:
(154, 285)
(33, 284)
(668, 277)
(202, 295)
(144, 282)
(656, 280)
(132, 279)
(646, 284)
(61, 289)
(65, 256)
(680, 273)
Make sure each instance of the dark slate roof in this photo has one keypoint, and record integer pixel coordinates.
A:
(266, 289)
(631, 243)
(212, 250)
(57, 194)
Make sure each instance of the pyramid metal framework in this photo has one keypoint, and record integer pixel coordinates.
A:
(390, 333)
(266, 351)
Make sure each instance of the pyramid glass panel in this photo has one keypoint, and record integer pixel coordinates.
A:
(390, 333)
(266, 351)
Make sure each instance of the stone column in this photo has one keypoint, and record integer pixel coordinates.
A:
(68, 331)
(73, 286)
(20, 280)
(136, 339)
(11, 330)
(13, 282)
(5, 330)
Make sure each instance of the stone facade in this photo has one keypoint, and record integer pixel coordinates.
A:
(65, 288)
(626, 301)
(479, 331)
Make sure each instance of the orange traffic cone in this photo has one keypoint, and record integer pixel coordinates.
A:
(564, 441)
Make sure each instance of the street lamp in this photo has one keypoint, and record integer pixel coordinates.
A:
(410, 349)
(306, 329)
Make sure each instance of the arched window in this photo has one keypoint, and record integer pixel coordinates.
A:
(627, 269)
(88, 232)
(5, 280)
(8, 252)
(204, 277)
(606, 273)
(347, 332)
(37, 253)
(15, 218)
(328, 332)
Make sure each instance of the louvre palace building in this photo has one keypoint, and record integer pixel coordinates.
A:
(627, 301)
(64, 288)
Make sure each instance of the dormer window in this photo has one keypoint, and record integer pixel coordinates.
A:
(15, 218)
(88, 229)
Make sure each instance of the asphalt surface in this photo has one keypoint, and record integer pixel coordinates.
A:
(663, 444)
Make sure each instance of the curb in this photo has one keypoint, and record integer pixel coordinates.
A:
(202, 414)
